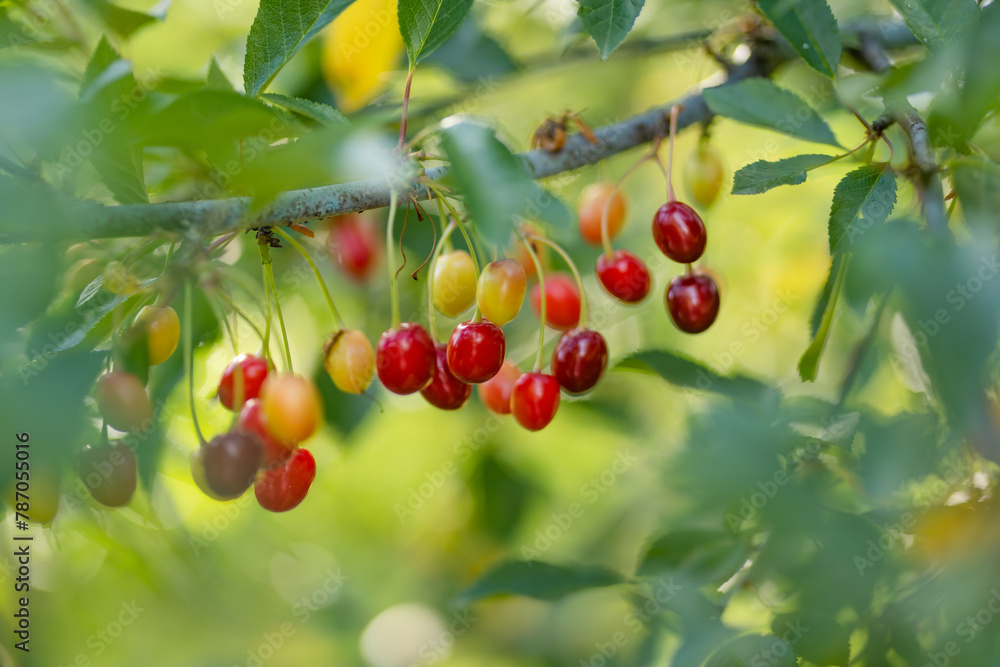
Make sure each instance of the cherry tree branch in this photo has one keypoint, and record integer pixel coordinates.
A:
(209, 218)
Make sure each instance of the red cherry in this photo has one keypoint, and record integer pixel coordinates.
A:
(495, 392)
(476, 351)
(405, 358)
(445, 391)
(680, 232)
(534, 400)
(231, 462)
(354, 245)
(693, 302)
(252, 419)
(282, 488)
(579, 360)
(255, 370)
(624, 276)
(562, 301)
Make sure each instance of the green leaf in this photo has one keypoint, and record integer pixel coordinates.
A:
(472, 56)
(216, 78)
(542, 581)
(608, 21)
(759, 102)
(809, 362)
(824, 297)
(685, 372)
(106, 81)
(126, 21)
(811, 29)
(279, 30)
(863, 198)
(494, 183)
(323, 114)
(700, 551)
(977, 181)
(761, 176)
(426, 24)
(937, 22)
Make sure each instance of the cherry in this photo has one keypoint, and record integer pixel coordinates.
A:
(476, 351)
(117, 280)
(534, 400)
(283, 487)
(350, 360)
(500, 292)
(624, 276)
(693, 302)
(254, 371)
(231, 461)
(518, 252)
(122, 401)
(162, 329)
(109, 472)
(454, 289)
(405, 358)
(445, 391)
(562, 301)
(703, 175)
(252, 419)
(44, 492)
(495, 392)
(680, 232)
(291, 407)
(590, 210)
(82, 273)
(579, 360)
(354, 245)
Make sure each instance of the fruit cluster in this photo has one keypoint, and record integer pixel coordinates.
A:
(692, 299)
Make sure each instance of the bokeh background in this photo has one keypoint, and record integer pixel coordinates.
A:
(411, 504)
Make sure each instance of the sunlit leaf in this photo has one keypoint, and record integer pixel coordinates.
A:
(811, 29)
(323, 114)
(608, 21)
(279, 30)
(759, 102)
(426, 24)
(762, 175)
(864, 198)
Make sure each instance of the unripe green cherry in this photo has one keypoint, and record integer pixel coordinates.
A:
(454, 283)
(117, 279)
(350, 360)
(122, 401)
(162, 329)
(501, 289)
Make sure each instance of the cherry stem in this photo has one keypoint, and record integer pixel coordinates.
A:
(674, 112)
(389, 245)
(478, 316)
(281, 320)
(319, 278)
(544, 312)
(265, 258)
(406, 104)
(605, 238)
(431, 316)
(188, 357)
(572, 267)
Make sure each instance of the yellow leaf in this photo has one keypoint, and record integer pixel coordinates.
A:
(360, 48)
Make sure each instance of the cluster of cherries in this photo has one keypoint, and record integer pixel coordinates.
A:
(692, 299)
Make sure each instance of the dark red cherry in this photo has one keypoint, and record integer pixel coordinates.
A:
(231, 462)
(624, 276)
(405, 358)
(579, 360)
(562, 301)
(693, 302)
(252, 419)
(476, 351)
(255, 370)
(534, 400)
(109, 472)
(680, 232)
(284, 486)
(445, 391)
